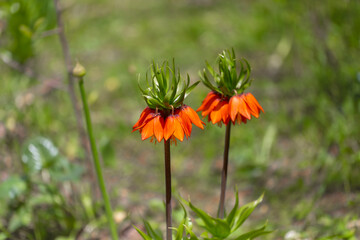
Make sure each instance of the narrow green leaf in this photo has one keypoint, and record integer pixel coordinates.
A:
(253, 234)
(206, 81)
(142, 234)
(241, 76)
(150, 231)
(210, 69)
(245, 211)
(248, 71)
(231, 217)
(189, 89)
(142, 91)
(187, 80)
(151, 100)
(191, 233)
(210, 226)
(180, 229)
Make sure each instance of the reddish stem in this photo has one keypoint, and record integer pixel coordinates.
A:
(221, 211)
(168, 189)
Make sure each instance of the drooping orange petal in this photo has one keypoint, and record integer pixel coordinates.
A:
(211, 95)
(147, 118)
(254, 110)
(243, 109)
(179, 131)
(225, 112)
(143, 116)
(209, 104)
(186, 122)
(234, 105)
(159, 127)
(193, 116)
(214, 103)
(253, 99)
(184, 127)
(169, 127)
(216, 114)
(148, 130)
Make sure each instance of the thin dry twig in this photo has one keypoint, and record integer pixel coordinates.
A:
(71, 87)
(50, 33)
(17, 66)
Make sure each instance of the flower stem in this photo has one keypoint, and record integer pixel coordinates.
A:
(97, 165)
(71, 86)
(221, 210)
(168, 189)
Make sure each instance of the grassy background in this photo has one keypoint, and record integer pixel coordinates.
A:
(304, 152)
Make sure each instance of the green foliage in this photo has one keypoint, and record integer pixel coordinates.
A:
(229, 228)
(40, 154)
(182, 232)
(167, 89)
(338, 228)
(25, 21)
(228, 81)
(304, 56)
(35, 204)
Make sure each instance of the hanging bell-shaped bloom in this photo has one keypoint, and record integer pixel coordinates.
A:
(227, 100)
(166, 117)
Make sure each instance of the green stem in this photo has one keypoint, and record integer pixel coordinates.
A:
(168, 189)
(97, 165)
(221, 211)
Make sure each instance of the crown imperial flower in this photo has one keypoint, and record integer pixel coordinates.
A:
(166, 116)
(227, 100)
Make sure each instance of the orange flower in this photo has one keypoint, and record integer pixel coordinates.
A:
(158, 124)
(237, 108)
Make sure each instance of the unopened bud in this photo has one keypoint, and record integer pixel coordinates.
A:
(79, 70)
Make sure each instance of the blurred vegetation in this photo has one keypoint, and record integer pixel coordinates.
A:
(304, 152)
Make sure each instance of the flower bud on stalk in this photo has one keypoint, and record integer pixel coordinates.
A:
(79, 71)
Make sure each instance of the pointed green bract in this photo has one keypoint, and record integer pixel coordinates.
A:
(166, 88)
(228, 80)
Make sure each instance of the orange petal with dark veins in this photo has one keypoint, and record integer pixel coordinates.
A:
(143, 115)
(234, 105)
(207, 103)
(193, 117)
(251, 98)
(159, 128)
(169, 127)
(179, 131)
(211, 107)
(148, 130)
(243, 109)
(186, 122)
(211, 95)
(216, 113)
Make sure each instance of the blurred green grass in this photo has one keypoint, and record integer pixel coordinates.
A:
(303, 152)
